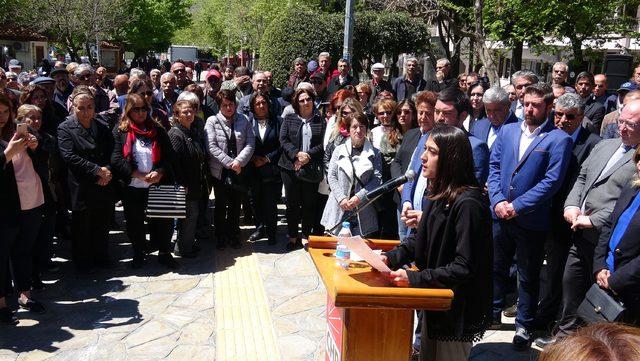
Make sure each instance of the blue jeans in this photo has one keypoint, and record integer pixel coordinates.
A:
(528, 246)
(403, 230)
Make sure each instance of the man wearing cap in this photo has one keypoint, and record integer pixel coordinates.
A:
(377, 82)
(320, 88)
(610, 123)
(15, 66)
(63, 87)
(213, 81)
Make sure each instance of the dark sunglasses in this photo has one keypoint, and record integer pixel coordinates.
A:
(139, 110)
(569, 116)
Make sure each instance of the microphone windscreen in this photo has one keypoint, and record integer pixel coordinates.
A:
(410, 174)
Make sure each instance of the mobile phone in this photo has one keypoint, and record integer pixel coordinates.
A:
(22, 128)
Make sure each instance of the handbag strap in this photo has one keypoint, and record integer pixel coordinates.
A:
(233, 135)
(354, 173)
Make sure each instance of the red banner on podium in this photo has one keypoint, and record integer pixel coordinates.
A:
(333, 337)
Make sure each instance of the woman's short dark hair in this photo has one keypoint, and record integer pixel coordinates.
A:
(454, 171)
(229, 95)
(28, 91)
(296, 95)
(252, 101)
(360, 117)
(479, 83)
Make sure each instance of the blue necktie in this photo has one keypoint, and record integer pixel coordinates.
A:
(621, 228)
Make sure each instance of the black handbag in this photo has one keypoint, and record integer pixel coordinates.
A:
(600, 305)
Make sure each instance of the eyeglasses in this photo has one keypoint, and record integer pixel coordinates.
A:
(304, 100)
(383, 113)
(566, 115)
(179, 71)
(139, 110)
(627, 123)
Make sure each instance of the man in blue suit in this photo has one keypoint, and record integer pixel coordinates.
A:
(528, 164)
(452, 108)
(496, 105)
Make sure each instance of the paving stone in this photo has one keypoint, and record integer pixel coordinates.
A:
(153, 350)
(149, 332)
(192, 353)
(155, 303)
(295, 347)
(196, 299)
(305, 302)
(197, 333)
(172, 286)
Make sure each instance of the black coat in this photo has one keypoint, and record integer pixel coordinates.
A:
(334, 84)
(453, 248)
(190, 165)
(9, 197)
(625, 280)
(268, 147)
(84, 154)
(402, 160)
(123, 168)
(291, 139)
(47, 163)
(399, 86)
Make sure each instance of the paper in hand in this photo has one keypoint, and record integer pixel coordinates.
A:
(358, 245)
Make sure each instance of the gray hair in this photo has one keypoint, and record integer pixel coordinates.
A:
(570, 101)
(83, 68)
(410, 58)
(154, 71)
(562, 64)
(191, 97)
(528, 74)
(137, 73)
(167, 75)
(324, 54)
(256, 73)
(444, 60)
(496, 94)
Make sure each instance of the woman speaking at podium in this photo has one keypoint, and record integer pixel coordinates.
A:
(452, 248)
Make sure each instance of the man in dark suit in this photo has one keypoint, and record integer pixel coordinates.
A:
(528, 163)
(588, 207)
(443, 76)
(521, 80)
(594, 111)
(377, 82)
(405, 86)
(496, 104)
(452, 107)
(568, 115)
(616, 260)
(342, 79)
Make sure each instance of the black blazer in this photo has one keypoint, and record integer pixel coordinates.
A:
(123, 169)
(291, 139)
(625, 280)
(334, 84)
(9, 198)
(190, 165)
(453, 248)
(400, 87)
(402, 160)
(84, 154)
(268, 147)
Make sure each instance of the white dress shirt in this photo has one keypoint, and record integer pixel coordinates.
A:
(526, 138)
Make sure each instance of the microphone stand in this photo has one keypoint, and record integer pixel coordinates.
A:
(351, 214)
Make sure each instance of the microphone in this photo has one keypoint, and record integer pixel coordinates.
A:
(392, 184)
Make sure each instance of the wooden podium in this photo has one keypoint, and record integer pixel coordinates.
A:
(368, 318)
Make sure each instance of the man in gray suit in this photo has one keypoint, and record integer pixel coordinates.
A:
(602, 176)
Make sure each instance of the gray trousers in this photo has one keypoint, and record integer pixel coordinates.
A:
(444, 351)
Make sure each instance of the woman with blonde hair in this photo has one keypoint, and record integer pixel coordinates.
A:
(142, 156)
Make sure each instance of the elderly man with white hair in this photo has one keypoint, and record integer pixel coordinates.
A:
(411, 83)
(377, 83)
(496, 105)
(444, 78)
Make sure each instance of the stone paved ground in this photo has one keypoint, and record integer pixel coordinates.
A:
(151, 314)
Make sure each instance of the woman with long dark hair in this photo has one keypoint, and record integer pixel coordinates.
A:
(475, 93)
(142, 157)
(452, 248)
(301, 138)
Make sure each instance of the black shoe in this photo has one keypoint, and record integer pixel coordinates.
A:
(8, 317)
(221, 245)
(522, 339)
(272, 241)
(167, 260)
(36, 284)
(192, 254)
(543, 342)
(496, 323)
(510, 311)
(52, 267)
(138, 261)
(256, 235)
(236, 244)
(32, 306)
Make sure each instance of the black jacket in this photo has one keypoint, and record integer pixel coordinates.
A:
(84, 154)
(123, 168)
(190, 164)
(400, 87)
(625, 280)
(291, 139)
(47, 163)
(268, 147)
(453, 248)
(402, 160)
(334, 84)
(9, 197)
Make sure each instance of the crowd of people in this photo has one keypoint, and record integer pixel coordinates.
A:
(507, 178)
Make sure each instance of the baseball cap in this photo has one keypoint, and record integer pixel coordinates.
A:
(628, 86)
(213, 73)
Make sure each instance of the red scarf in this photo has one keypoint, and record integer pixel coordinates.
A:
(344, 131)
(149, 133)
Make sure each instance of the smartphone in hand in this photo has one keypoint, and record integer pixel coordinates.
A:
(22, 129)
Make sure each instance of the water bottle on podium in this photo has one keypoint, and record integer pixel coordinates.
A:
(342, 251)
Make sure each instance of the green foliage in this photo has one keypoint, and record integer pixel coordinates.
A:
(307, 33)
(156, 22)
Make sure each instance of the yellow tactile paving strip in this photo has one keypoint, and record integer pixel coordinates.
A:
(244, 330)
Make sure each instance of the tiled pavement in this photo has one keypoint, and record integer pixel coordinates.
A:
(256, 303)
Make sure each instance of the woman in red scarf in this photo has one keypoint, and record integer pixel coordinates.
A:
(141, 157)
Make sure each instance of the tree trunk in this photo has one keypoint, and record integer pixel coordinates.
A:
(471, 55)
(485, 53)
(87, 48)
(516, 57)
(576, 62)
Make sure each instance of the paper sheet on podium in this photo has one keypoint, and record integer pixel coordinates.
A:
(358, 245)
